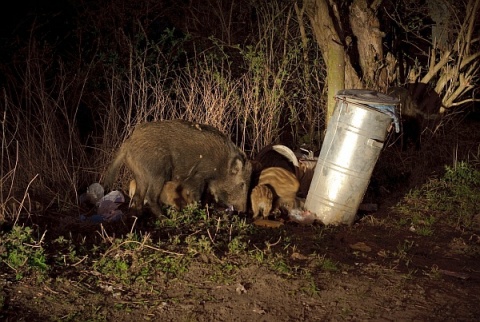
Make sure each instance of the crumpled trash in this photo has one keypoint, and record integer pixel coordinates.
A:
(106, 206)
(301, 216)
(94, 193)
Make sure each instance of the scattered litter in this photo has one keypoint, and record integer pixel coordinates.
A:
(114, 196)
(305, 154)
(106, 205)
(301, 216)
(94, 193)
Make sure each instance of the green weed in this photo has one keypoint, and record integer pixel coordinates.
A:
(200, 244)
(402, 252)
(328, 265)
(237, 245)
(311, 289)
(22, 253)
(135, 260)
(280, 265)
(424, 231)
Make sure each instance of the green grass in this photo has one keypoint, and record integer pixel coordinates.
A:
(452, 199)
(137, 260)
(23, 253)
(329, 265)
(223, 242)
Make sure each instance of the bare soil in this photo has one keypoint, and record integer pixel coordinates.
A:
(380, 270)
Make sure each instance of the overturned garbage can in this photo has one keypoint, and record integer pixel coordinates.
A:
(353, 141)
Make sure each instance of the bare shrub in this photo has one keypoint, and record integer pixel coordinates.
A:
(269, 89)
(40, 113)
(207, 93)
(282, 87)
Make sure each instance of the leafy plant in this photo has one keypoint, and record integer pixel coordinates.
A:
(237, 245)
(22, 253)
(311, 289)
(134, 260)
(402, 252)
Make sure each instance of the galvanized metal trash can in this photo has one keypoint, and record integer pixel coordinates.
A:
(353, 141)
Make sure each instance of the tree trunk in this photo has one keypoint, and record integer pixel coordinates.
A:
(327, 26)
(366, 28)
(335, 75)
(331, 47)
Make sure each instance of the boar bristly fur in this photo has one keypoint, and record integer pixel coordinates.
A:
(197, 155)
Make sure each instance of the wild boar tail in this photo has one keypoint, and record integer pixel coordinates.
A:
(113, 169)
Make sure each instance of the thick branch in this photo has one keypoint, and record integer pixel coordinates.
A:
(306, 69)
(323, 26)
(469, 59)
(449, 73)
(322, 23)
(472, 12)
(461, 89)
(432, 71)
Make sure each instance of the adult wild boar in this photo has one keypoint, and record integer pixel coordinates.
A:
(196, 155)
(419, 109)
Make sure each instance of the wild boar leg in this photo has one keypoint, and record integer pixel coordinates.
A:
(154, 196)
(139, 194)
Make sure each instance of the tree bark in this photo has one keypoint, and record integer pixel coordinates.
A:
(331, 47)
(335, 75)
(366, 28)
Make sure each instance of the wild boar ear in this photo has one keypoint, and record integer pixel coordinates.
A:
(236, 166)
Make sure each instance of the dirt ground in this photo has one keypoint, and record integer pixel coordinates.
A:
(439, 281)
(379, 270)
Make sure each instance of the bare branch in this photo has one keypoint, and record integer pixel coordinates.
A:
(436, 68)
(472, 16)
(469, 59)
(462, 88)
(468, 100)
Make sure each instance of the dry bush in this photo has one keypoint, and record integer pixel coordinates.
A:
(282, 87)
(279, 89)
(270, 87)
(40, 133)
(207, 93)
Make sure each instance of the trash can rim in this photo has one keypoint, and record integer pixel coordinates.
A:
(366, 97)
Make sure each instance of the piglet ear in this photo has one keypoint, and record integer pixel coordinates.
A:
(257, 166)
